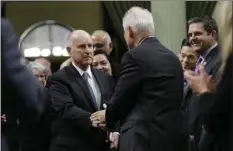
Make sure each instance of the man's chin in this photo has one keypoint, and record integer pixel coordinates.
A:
(197, 49)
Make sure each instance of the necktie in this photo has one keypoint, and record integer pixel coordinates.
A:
(85, 77)
(185, 82)
(199, 61)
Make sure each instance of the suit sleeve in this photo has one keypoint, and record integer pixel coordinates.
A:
(216, 112)
(122, 100)
(63, 105)
(18, 76)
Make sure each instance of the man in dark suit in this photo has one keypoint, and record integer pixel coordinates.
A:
(202, 34)
(149, 92)
(77, 91)
(21, 91)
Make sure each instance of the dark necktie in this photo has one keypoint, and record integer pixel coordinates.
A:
(85, 77)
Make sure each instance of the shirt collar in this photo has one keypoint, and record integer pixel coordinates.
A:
(205, 54)
(82, 71)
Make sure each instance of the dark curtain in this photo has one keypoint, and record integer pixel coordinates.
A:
(199, 8)
(113, 14)
(3, 9)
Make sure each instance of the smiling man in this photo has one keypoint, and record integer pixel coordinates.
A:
(187, 56)
(202, 35)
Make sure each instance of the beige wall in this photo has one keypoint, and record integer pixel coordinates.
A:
(80, 15)
(170, 22)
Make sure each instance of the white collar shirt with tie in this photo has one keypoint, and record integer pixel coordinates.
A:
(92, 82)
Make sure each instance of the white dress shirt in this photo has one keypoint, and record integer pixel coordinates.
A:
(93, 83)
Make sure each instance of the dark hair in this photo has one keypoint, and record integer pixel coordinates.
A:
(101, 52)
(185, 42)
(209, 23)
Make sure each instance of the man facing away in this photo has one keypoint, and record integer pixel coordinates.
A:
(77, 91)
(149, 92)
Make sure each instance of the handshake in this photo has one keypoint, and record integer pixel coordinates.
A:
(98, 118)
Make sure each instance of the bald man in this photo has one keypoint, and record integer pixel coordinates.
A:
(102, 41)
(77, 91)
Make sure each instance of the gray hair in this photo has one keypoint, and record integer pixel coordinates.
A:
(140, 19)
(37, 66)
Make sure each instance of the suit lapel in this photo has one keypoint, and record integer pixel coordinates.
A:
(210, 58)
(186, 90)
(83, 86)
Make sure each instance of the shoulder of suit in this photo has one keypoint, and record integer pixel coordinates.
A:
(6, 24)
(60, 74)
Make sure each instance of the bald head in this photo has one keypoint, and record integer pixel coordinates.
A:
(77, 35)
(80, 48)
(102, 40)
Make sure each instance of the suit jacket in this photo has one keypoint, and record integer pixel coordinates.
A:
(37, 137)
(21, 91)
(115, 69)
(190, 104)
(72, 108)
(216, 110)
(147, 98)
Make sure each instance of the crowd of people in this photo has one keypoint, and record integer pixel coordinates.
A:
(153, 100)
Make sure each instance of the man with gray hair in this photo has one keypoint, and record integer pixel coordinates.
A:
(149, 91)
(38, 70)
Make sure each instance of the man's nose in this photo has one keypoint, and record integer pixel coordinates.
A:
(88, 50)
(99, 66)
(185, 59)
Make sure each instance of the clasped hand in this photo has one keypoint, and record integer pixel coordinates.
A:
(98, 119)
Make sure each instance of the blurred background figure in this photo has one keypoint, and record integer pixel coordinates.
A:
(21, 92)
(101, 62)
(102, 41)
(39, 71)
(187, 56)
(46, 63)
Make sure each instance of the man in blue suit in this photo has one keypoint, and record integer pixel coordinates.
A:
(22, 94)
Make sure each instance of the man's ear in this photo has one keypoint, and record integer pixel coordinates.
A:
(131, 35)
(214, 33)
(68, 50)
(110, 45)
